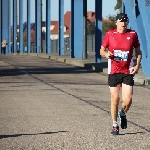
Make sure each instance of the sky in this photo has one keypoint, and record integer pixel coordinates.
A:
(107, 9)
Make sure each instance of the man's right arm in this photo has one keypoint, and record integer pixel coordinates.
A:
(103, 53)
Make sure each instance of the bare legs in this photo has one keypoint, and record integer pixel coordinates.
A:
(114, 101)
(127, 92)
(126, 97)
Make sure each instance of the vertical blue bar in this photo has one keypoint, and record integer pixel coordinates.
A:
(78, 28)
(38, 25)
(48, 31)
(14, 25)
(5, 20)
(145, 15)
(28, 26)
(9, 27)
(123, 8)
(0, 24)
(84, 52)
(61, 27)
(98, 31)
(133, 7)
(72, 31)
(137, 24)
(21, 25)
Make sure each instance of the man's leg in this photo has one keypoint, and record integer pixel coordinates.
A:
(114, 108)
(4, 50)
(127, 92)
(114, 101)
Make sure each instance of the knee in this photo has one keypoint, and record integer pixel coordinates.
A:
(115, 99)
(128, 100)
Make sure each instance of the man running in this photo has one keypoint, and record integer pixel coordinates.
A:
(121, 69)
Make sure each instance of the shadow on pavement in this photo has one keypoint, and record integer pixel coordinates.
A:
(61, 70)
(17, 135)
(132, 133)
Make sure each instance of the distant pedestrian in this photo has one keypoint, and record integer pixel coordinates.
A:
(4, 43)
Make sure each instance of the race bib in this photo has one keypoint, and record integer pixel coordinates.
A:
(122, 55)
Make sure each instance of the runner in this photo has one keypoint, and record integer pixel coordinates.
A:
(121, 69)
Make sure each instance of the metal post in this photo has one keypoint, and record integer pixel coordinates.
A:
(144, 12)
(98, 31)
(21, 26)
(9, 27)
(61, 27)
(38, 25)
(14, 25)
(28, 27)
(41, 28)
(77, 28)
(137, 23)
(84, 55)
(72, 31)
(48, 31)
(0, 24)
(123, 8)
(4, 21)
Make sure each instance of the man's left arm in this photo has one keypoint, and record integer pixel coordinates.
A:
(138, 54)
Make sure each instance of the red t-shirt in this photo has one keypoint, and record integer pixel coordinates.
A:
(121, 45)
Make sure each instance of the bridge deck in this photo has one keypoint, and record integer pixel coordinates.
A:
(46, 104)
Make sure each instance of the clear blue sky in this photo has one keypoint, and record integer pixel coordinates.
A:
(108, 8)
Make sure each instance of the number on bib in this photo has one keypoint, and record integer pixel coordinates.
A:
(123, 55)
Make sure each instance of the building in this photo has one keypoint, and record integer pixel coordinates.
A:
(54, 27)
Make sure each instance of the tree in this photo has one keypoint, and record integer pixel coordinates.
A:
(109, 25)
(90, 27)
(24, 39)
(118, 5)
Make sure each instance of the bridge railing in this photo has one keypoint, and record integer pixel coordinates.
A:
(139, 16)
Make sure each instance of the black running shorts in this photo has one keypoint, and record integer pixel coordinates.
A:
(119, 78)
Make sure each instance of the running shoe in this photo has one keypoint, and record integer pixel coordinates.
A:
(115, 131)
(123, 120)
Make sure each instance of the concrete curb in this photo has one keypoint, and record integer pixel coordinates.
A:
(141, 79)
(138, 79)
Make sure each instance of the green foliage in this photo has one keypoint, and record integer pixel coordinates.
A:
(112, 24)
(90, 28)
(105, 25)
(24, 39)
(109, 25)
(118, 5)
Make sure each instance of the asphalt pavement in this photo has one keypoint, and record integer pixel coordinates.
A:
(46, 104)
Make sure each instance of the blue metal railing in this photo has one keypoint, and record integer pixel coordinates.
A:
(139, 16)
